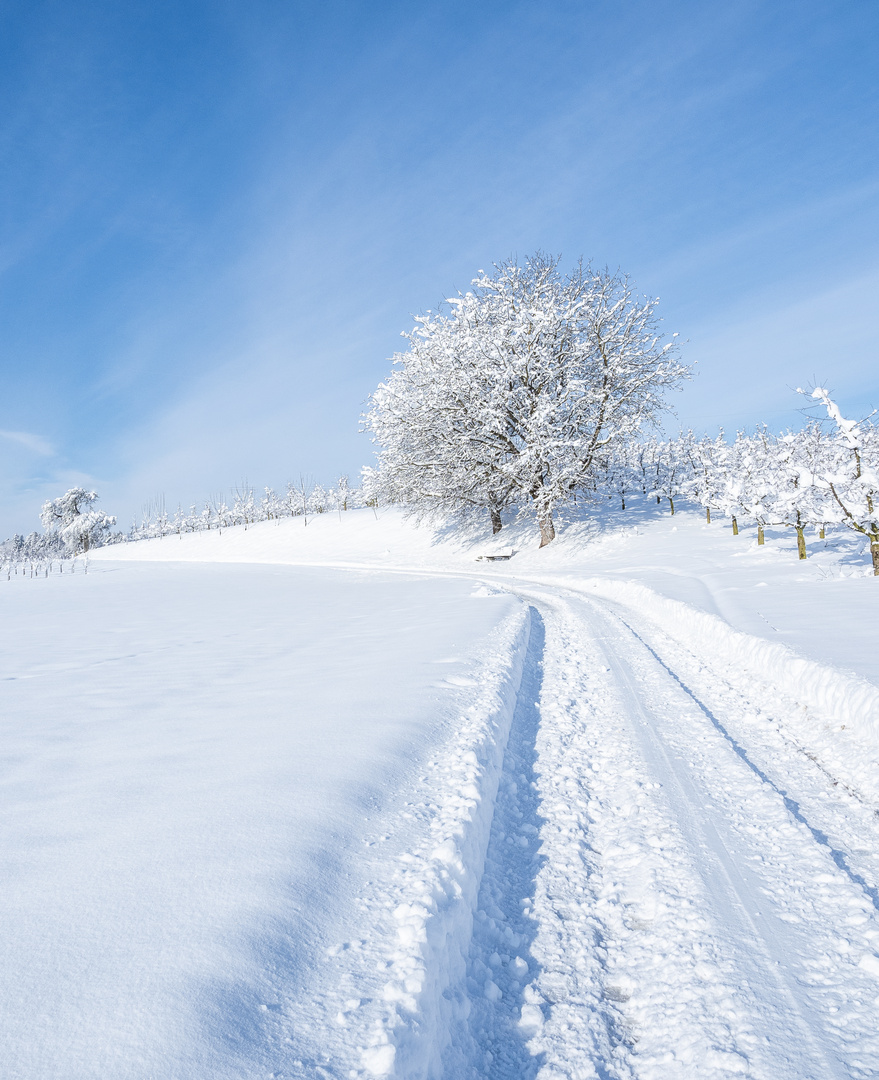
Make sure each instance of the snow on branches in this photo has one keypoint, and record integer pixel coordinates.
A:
(245, 507)
(74, 521)
(819, 476)
(849, 471)
(516, 394)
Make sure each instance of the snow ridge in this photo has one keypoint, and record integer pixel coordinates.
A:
(848, 700)
(436, 884)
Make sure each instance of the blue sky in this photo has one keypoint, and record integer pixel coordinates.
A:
(216, 217)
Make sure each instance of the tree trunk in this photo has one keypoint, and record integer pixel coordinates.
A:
(623, 501)
(761, 539)
(821, 533)
(874, 551)
(735, 526)
(708, 515)
(658, 499)
(801, 541)
(547, 529)
(671, 503)
(496, 523)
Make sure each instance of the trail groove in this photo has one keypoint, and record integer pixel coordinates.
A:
(670, 890)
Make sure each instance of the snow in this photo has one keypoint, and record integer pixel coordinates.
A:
(822, 608)
(338, 800)
(193, 758)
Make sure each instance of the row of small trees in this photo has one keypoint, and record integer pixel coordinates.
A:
(73, 525)
(825, 474)
(245, 507)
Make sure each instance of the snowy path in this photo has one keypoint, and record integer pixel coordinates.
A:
(671, 889)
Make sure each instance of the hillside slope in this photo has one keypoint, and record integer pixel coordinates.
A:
(825, 608)
(338, 800)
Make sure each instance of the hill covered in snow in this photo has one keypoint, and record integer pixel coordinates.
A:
(824, 608)
(338, 799)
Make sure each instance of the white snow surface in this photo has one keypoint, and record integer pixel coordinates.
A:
(336, 800)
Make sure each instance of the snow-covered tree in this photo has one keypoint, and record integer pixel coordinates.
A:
(755, 491)
(520, 390)
(705, 469)
(796, 499)
(272, 505)
(343, 492)
(669, 465)
(619, 475)
(644, 462)
(731, 477)
(848, 470)
(74, 521)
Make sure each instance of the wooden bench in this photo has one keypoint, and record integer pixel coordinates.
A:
(497, 556)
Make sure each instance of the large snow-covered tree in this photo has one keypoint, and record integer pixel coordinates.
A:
(74, 520)
(517, 391)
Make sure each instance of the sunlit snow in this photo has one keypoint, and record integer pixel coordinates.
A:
(339, 800)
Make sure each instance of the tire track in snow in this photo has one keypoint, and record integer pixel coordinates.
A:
(728, 894)
(489, 1041)
(756, 846)
(507, 985)
(839, 857)
(763, 724)
(653, 949)
(400, 979)
(624, 942)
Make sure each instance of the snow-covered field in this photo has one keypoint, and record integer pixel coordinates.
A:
(340, 801)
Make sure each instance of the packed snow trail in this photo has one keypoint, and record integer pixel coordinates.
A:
(681, 914)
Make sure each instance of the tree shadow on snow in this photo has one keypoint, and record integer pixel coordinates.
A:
(582, 520)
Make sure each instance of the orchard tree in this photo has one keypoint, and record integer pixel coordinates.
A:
(849, 470)
(618, 475)
(797, 499)
(705, 459)
(74, 521)
(645, 461)
(756, 469)
(519, 390)
(670, 467)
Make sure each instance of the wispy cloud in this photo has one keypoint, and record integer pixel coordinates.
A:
(35, 443)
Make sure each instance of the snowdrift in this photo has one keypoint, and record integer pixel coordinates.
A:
(437, 884)
(851, 702)
(840, 702)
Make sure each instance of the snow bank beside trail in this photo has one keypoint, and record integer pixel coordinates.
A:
(435, 885)
(847, 701)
